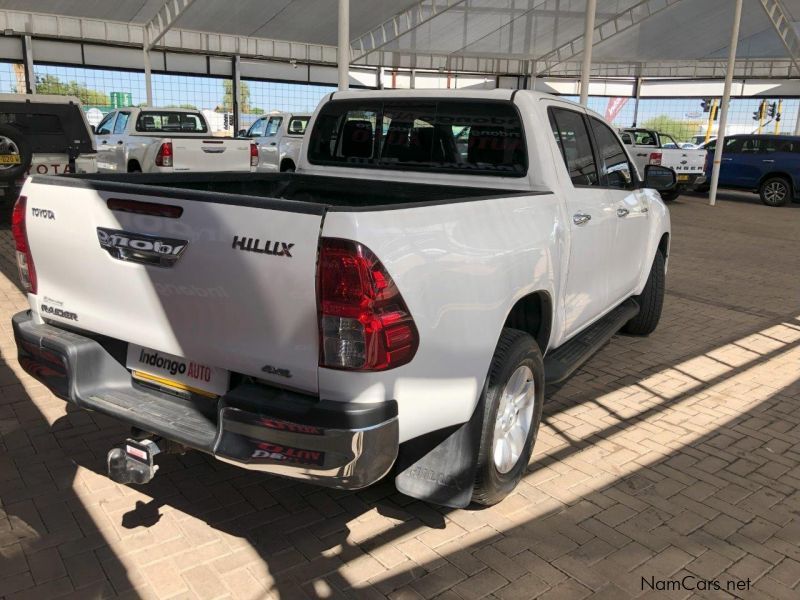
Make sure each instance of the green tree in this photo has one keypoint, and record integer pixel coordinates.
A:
(244, 98)
(50, 84)
(186, 106)
(682, 130)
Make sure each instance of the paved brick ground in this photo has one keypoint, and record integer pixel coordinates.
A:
(664, 457)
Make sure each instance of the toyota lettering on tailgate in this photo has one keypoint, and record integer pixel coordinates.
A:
(141, 248)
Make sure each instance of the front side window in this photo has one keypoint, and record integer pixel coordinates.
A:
(733, 145)
(257, 129)
(573, 140)
(122, 122)
(644, 138)
(614, 165)
(170, 122)
(104, 128)
(435, 135)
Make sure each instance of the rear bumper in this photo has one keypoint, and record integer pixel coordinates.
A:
(345, 445)
(691, 179)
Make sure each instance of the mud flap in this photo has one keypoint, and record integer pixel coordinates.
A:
(440, 467)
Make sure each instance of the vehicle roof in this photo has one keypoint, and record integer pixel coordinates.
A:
(764, 135)
(43, 98)
(495, 94)
(159, 109)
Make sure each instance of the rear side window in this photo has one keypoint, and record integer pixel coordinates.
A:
(170, 122)
(122, 122)
(572, 137)
(482, 138)
(297, 125)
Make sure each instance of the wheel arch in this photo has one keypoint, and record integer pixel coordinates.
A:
(782, 174)
(533, 314)
(285, 162)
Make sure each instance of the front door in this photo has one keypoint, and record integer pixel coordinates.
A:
(592, 222)
(105, 152)
(630, 214)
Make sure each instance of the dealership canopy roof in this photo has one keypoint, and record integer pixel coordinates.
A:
(680, 38)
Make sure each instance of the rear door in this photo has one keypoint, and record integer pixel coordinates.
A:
(224, 285)
(592, 221)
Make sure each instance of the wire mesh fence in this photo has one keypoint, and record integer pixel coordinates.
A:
(102, 90)
(690, 119)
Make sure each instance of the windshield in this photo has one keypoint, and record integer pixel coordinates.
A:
(171, 122)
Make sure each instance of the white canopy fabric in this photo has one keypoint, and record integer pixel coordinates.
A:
(680, 31)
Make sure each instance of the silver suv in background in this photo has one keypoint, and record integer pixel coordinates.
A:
(279, 137)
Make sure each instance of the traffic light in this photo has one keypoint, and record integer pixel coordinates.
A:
(225, 120)
(773, 110)
(706, 104)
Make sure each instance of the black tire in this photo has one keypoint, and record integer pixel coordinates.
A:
(703, 188)
(134, 167)
(515, 349)
(671, 195)
(651, 300)
(775, 191)
(287, 167)
(11, 135)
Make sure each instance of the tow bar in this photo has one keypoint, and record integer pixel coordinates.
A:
(133, 461)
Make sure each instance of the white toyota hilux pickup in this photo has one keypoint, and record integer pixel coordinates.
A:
(401, 301)
(167, 140)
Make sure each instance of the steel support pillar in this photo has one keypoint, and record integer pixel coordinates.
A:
(726, 100)
(588, 42)
(343, 51)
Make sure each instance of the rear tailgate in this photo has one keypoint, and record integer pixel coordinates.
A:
(210, 154)
(684, 162)
(240, 294)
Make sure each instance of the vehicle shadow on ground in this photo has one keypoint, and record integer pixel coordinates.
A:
(300, 539)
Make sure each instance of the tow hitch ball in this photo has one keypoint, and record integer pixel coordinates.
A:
(133, 461)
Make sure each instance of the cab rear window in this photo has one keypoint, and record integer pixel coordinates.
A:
(453, 136)
(170, 122)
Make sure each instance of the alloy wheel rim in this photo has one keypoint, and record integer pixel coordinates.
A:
(514, 419)
(775, 192)
(7, 146)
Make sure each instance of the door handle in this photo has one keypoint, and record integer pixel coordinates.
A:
(727, 159)
(769, 160)
(623, 212)
(120, 142)
(273, 144)
(581, 218)
(104, 142)
(640, 154)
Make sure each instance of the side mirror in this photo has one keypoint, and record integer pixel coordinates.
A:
(93, 128)
(662, 179)
(243, 133)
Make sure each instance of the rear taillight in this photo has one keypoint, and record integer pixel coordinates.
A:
(655, 158)
(27, 272)
(253, 155)
(364, 323)
(164, 155)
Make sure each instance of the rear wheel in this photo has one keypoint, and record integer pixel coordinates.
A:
(671, 195)
(513, 403)
(775, 191)
(651, 300)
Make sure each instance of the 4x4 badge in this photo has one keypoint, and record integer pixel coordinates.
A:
(141, 248)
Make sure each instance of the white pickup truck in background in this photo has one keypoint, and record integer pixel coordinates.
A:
(402, 300)
(649, 147)
(167, 140)
(279, 137)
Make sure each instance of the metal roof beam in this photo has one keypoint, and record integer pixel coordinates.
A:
(163, 20)
(398, 25)
(784, 28)
(606, 30)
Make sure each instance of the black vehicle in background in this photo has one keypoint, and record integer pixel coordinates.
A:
(41, 134)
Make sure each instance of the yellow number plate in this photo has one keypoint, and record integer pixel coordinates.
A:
(683, 178)
(10, 159)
